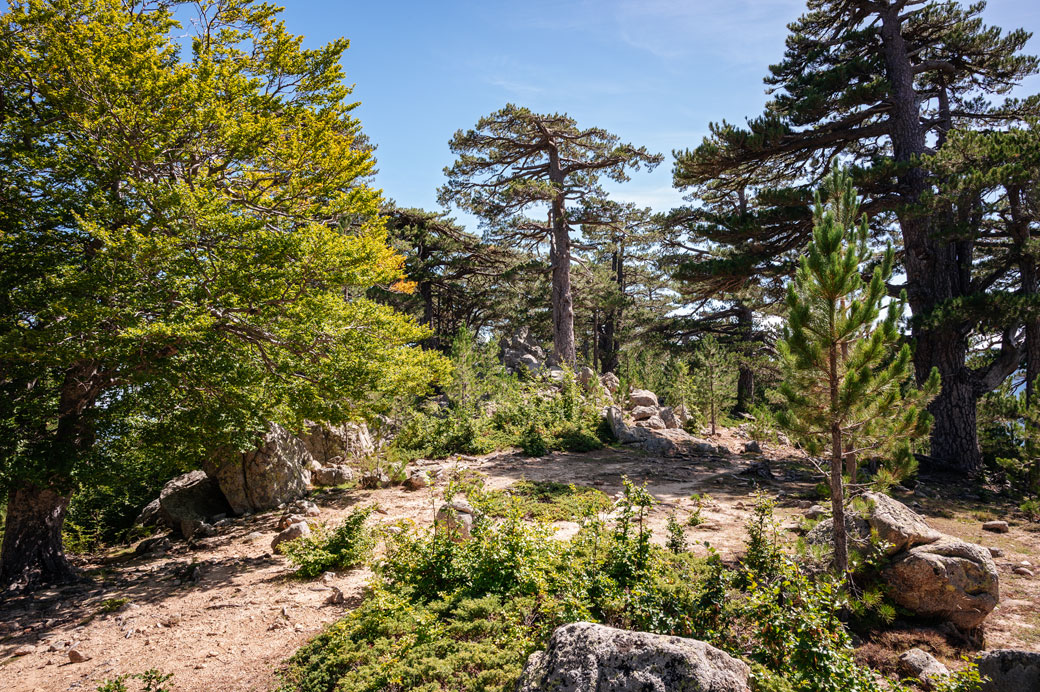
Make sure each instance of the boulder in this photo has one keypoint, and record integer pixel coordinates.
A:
(947, 579)
(150, 515)
(1009, 670)
(816, 512)
(585, 657)
(654, 422)
(273, 474)
(642, 397)
(374, 479)
(457, 518)
(610, 382)
(189, 501)
(336, 444)
(662, 442)
(895, 523)
(624, 433)
(587, 378)
(521, 351)
(417, 479)
(332, 475)
(643, 412)
(556, 373)
(752, 447)
(292, 532)
(923, 666)
(995, 526)
(671, 421)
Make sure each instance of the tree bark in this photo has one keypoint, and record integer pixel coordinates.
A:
(841, 546)
(32, 548)
(562, 302)
(745, 375)
(935, 269)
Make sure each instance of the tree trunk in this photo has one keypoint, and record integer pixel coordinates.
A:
(562, 303)
(841, 545)
(937, 269)
(745, 375)
(32, 548)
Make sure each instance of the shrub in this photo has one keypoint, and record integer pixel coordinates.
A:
(347, 545)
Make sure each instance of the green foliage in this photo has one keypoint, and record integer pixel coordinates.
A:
(542, 500)
(463, 615)
(344, 546)
(965, 679)
(488, 410)
(676, 536)
(111, 605)
(715, 370)
(187, 235)
(150, 681)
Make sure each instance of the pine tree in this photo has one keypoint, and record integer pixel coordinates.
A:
(845, 385)
(882, 85)
(516, 163)
(715, 375)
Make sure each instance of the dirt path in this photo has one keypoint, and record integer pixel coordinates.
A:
(223, 614)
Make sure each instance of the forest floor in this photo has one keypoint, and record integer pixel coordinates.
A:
(223, 614)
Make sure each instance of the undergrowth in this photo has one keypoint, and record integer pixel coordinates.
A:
(452, 615)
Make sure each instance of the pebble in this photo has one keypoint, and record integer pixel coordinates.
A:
(77, 656)
(24, 650)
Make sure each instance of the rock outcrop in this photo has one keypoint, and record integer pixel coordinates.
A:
(189, 501)
(274, 473)
(585, 657)
(931, 575)
(332, 445)
(1009, 670)
(521, 351)
(948, 579)
(659, 441)
(894, 522)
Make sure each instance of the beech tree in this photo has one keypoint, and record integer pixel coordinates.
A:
(881, 84)
(845, 371)
(515, 164)
(164, 258)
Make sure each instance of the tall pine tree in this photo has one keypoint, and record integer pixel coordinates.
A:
(881, 84)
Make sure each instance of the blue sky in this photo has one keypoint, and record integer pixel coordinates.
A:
(655, 72)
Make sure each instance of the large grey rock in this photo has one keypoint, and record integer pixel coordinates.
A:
(894, 522)
(923, 666)
(663, 442)
(332, 475)
(669, 418)
(298, 530)
(642, 397)
(1010, 670)
(274, 473)
(338, 444)
(610, 382)
(948, 579)
(643, 412)
(457, 518)
(189, 501)
(585, 657)
(521, 351)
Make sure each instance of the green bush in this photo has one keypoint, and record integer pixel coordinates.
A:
(463, 615)
(345, 546)
(545, 500)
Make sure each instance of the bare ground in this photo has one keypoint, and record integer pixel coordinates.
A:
(223, 614)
